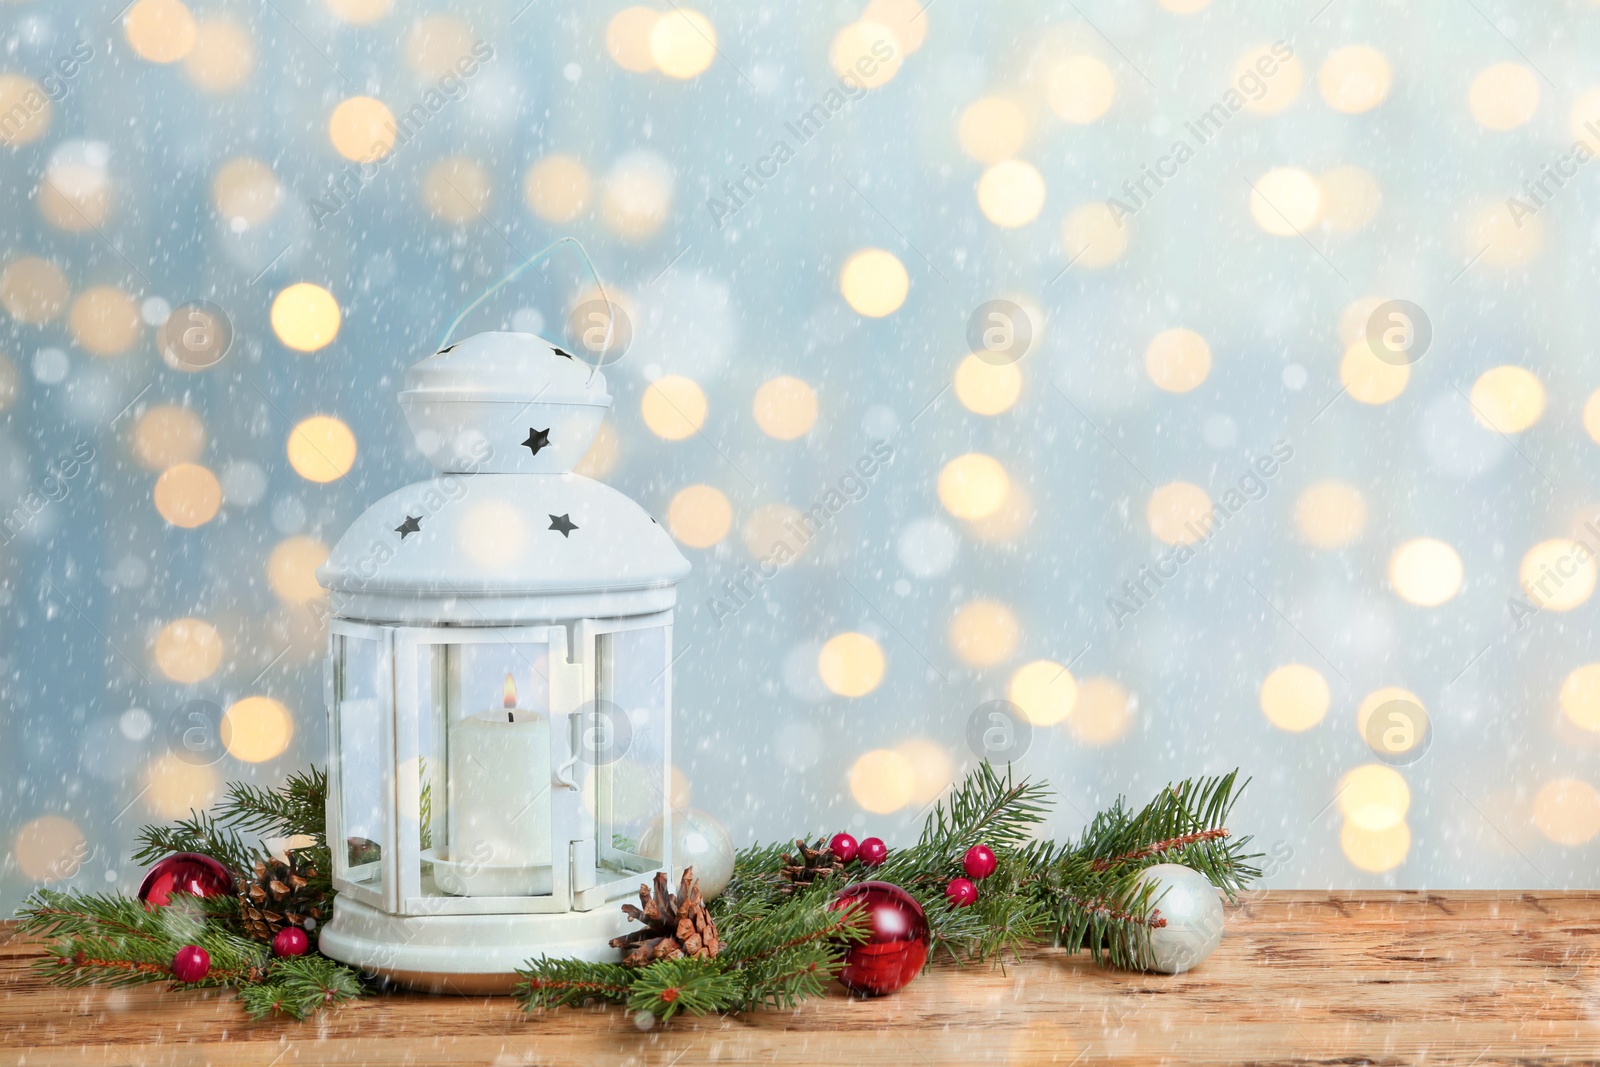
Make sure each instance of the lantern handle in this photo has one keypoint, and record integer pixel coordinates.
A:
(524, 265)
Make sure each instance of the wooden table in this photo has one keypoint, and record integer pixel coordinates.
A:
(1463, 978)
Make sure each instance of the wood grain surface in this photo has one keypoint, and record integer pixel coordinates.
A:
(1460, 978)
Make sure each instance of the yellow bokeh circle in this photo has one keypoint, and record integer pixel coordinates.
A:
(222, 57)
(104, 320)
(1295, 697)
(1558, 574)
(26, 106)
(931, 768)
(558, 188)
(1507, 399)
(1378, 698)
(306, 317)
(874, 282)
(1580, 696)
(1567, 811)
(1281, 87)
(1591, 416)
(985, 388)
(866, 52)
(1179, 513)
(1177, 360)
(188, 650)
(700, 516)
(438, 45)
(166, 435)
(628, 38)
(973, 486)
(48, 849)
(882, 781)
(256, 729)
(906, 19)
(188, 495)
(321, 449)
(175, 788)
(1375, 851)
(359, 12)
(292, 568)
(1503, 96)
(246, 192)
(1374, 797)
(992, 129)
(1330, 514)
(682, 43)
(1350, 198)
(1102, 713)
(1355, 78)
(1011, 193)
(1286, 202)
(1044, 690)
(362, 129)
(785, 407)
(779, 533)
(851, 664)
(1092, 236)
(1425, 571)
(33, 290)
(161, 31)
(983, 633)
(674, 407)
(1080, 89)
(1371, 380)
(456, 190)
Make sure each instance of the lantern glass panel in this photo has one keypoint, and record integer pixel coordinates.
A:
(362, 699)
(484, 824)
(624, 743)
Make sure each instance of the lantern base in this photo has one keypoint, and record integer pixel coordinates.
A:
(469, 954)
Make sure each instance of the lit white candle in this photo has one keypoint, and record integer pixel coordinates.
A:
(500, 787)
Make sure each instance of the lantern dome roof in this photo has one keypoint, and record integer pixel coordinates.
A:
(504, 403)
(444, 549)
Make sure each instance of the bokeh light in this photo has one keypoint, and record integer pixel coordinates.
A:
(699, 516)
(48, 849)
(436, 44)
(166, 435)
(1330, 514)
(851, 664)
(683, 43)
(33, 290)
(1295, 697)
(1080, 89)
(674, 407)
(305, 317)
(785, 407)
(359, 12)
(174, 787)
(1370, 380)
(1591, 416)
(28, 107)
(906, 19)
(1425, 571)
(104, 320)
(161, 31)
(187, 495)
(1177, 360)
(1558, 574)
(1507, 399)
(1093, 237)
(1374, 797)
(456, 190)
(362, 129)
(1378, 698)
(292, 569)
(256, 729)
(992, 129)
(1011, 194)
(558, 188)
(984, 633)
(973, 486)
(1580, 696)
(628, 38)
(188, 650)
(1567, 811)
(636, 195)
(1354, 79)
(1375, 851)
(246, 192)
(1351, 198)
(1044, 690)
(321, 448)
(223, 56)
(987, 388)
(1503, 96)
(774, 532)
(866, 51)
(1281, 78)
(1179, 513)
(1286, 202)
(874, 282)
(1102, 712)
(882, 781)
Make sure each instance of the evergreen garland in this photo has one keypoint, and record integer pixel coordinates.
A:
(782, 944)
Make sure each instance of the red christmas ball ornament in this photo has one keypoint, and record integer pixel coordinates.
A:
(290, 941)
(872, 851)
(185, 872)
(191, 964)
(961, 892)
(844, 847)
(979, 862)
(897, 939)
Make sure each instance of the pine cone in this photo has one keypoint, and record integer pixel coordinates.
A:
(674, 925)
(816, 863)
(278, 896)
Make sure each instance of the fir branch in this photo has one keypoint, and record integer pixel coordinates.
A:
(555, 983)
(298, 986)
(984, 809)
(202, 833)
(696, 985)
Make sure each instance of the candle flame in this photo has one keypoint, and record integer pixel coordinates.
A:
(509, 691)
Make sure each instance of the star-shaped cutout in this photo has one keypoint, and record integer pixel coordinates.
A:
(560, 351)
(563, 523)
(413, 524)
(537, 439)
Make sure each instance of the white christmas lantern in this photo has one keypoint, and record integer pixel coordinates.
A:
(499, 683)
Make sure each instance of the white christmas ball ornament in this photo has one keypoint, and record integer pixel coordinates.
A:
(1189, 903)
(698, 841)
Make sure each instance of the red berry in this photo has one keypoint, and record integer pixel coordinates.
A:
(844, 847)
(961, 892)
(191, 964)
(872, 851)
(290, 941)
(979, 862)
